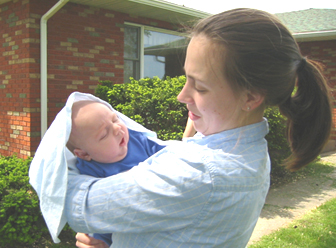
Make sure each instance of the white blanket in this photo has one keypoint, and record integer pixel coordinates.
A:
(49, 169)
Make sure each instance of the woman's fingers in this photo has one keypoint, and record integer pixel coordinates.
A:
(85, 241)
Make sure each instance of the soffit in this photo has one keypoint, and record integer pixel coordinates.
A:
(159, 10)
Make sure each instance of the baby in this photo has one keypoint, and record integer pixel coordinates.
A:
(104, 146)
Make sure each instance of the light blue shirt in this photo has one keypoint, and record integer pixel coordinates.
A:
(206, 191)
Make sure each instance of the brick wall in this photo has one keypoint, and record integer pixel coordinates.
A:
(17, 62)
(325, 52)
(85, 45)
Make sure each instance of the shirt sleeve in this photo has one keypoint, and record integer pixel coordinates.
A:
(106, 237)
(165, 193)
(152, 146)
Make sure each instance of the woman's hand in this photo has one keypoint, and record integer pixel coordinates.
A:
(189, 129)
(85, 241)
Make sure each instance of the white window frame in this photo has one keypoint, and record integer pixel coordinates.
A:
(142, 48)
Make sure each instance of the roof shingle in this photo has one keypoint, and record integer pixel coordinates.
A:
(310, 20)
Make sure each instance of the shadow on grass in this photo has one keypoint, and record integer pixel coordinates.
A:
(301, 189)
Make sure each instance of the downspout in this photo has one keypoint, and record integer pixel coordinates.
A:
(44, 63)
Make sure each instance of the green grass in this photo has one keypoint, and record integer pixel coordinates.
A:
(67, 237)
(316, 229)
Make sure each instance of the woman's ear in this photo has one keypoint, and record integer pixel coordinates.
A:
(82, 154)
(253, 100)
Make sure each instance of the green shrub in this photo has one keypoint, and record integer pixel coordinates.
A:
(21, 222)
(152, 102)
(277, 142)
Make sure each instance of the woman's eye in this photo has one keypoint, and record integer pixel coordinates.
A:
(200, 90)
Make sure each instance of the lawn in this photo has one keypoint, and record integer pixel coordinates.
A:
(67, 241)
(317, 229)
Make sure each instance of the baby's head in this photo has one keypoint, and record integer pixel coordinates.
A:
(97, 133)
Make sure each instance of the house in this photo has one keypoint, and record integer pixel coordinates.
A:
(51, 48)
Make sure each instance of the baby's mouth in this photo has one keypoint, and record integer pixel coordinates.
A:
(122, 142)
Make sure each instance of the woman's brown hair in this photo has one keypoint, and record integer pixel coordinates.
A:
(260, 54)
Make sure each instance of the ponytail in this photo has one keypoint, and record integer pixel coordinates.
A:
(309, 115)
(262, 55)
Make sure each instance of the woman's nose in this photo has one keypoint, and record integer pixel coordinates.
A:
(184, 96)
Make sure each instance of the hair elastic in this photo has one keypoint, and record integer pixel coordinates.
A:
(302, 64)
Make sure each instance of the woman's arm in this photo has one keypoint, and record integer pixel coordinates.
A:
(165, 194)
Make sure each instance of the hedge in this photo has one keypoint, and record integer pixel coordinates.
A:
(21, 222)
(151, 102)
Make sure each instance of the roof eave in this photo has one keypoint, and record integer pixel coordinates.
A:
(315, 36)
(154, 9)
(173, 7)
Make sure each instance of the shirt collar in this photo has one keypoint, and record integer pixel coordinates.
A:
(245, 134)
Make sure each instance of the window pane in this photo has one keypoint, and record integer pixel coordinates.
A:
(131, 43)
(154, 66)
(131, 69)
(164, 54)
(131, 53)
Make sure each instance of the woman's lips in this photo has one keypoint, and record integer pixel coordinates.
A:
(193, 117)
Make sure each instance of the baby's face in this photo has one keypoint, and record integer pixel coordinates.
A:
(103, 136)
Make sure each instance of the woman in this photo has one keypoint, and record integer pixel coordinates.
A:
(208, 190)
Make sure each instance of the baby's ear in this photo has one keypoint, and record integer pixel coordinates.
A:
(82, 154)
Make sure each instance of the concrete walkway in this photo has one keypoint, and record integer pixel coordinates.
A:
(288, 202)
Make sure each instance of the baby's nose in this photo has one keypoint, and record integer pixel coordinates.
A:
(116, 129)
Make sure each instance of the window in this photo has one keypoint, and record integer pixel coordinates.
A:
(131, 53)
(153, 52)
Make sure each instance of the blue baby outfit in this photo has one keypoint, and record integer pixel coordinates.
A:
(139, 149)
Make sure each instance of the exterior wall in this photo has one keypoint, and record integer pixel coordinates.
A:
(325, 52)
(18, 65)
(85, 45)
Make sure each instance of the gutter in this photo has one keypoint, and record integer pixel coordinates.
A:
(173, 7)
(315, 36)
(44, 63)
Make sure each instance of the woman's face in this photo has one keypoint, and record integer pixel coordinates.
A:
(211, 102)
